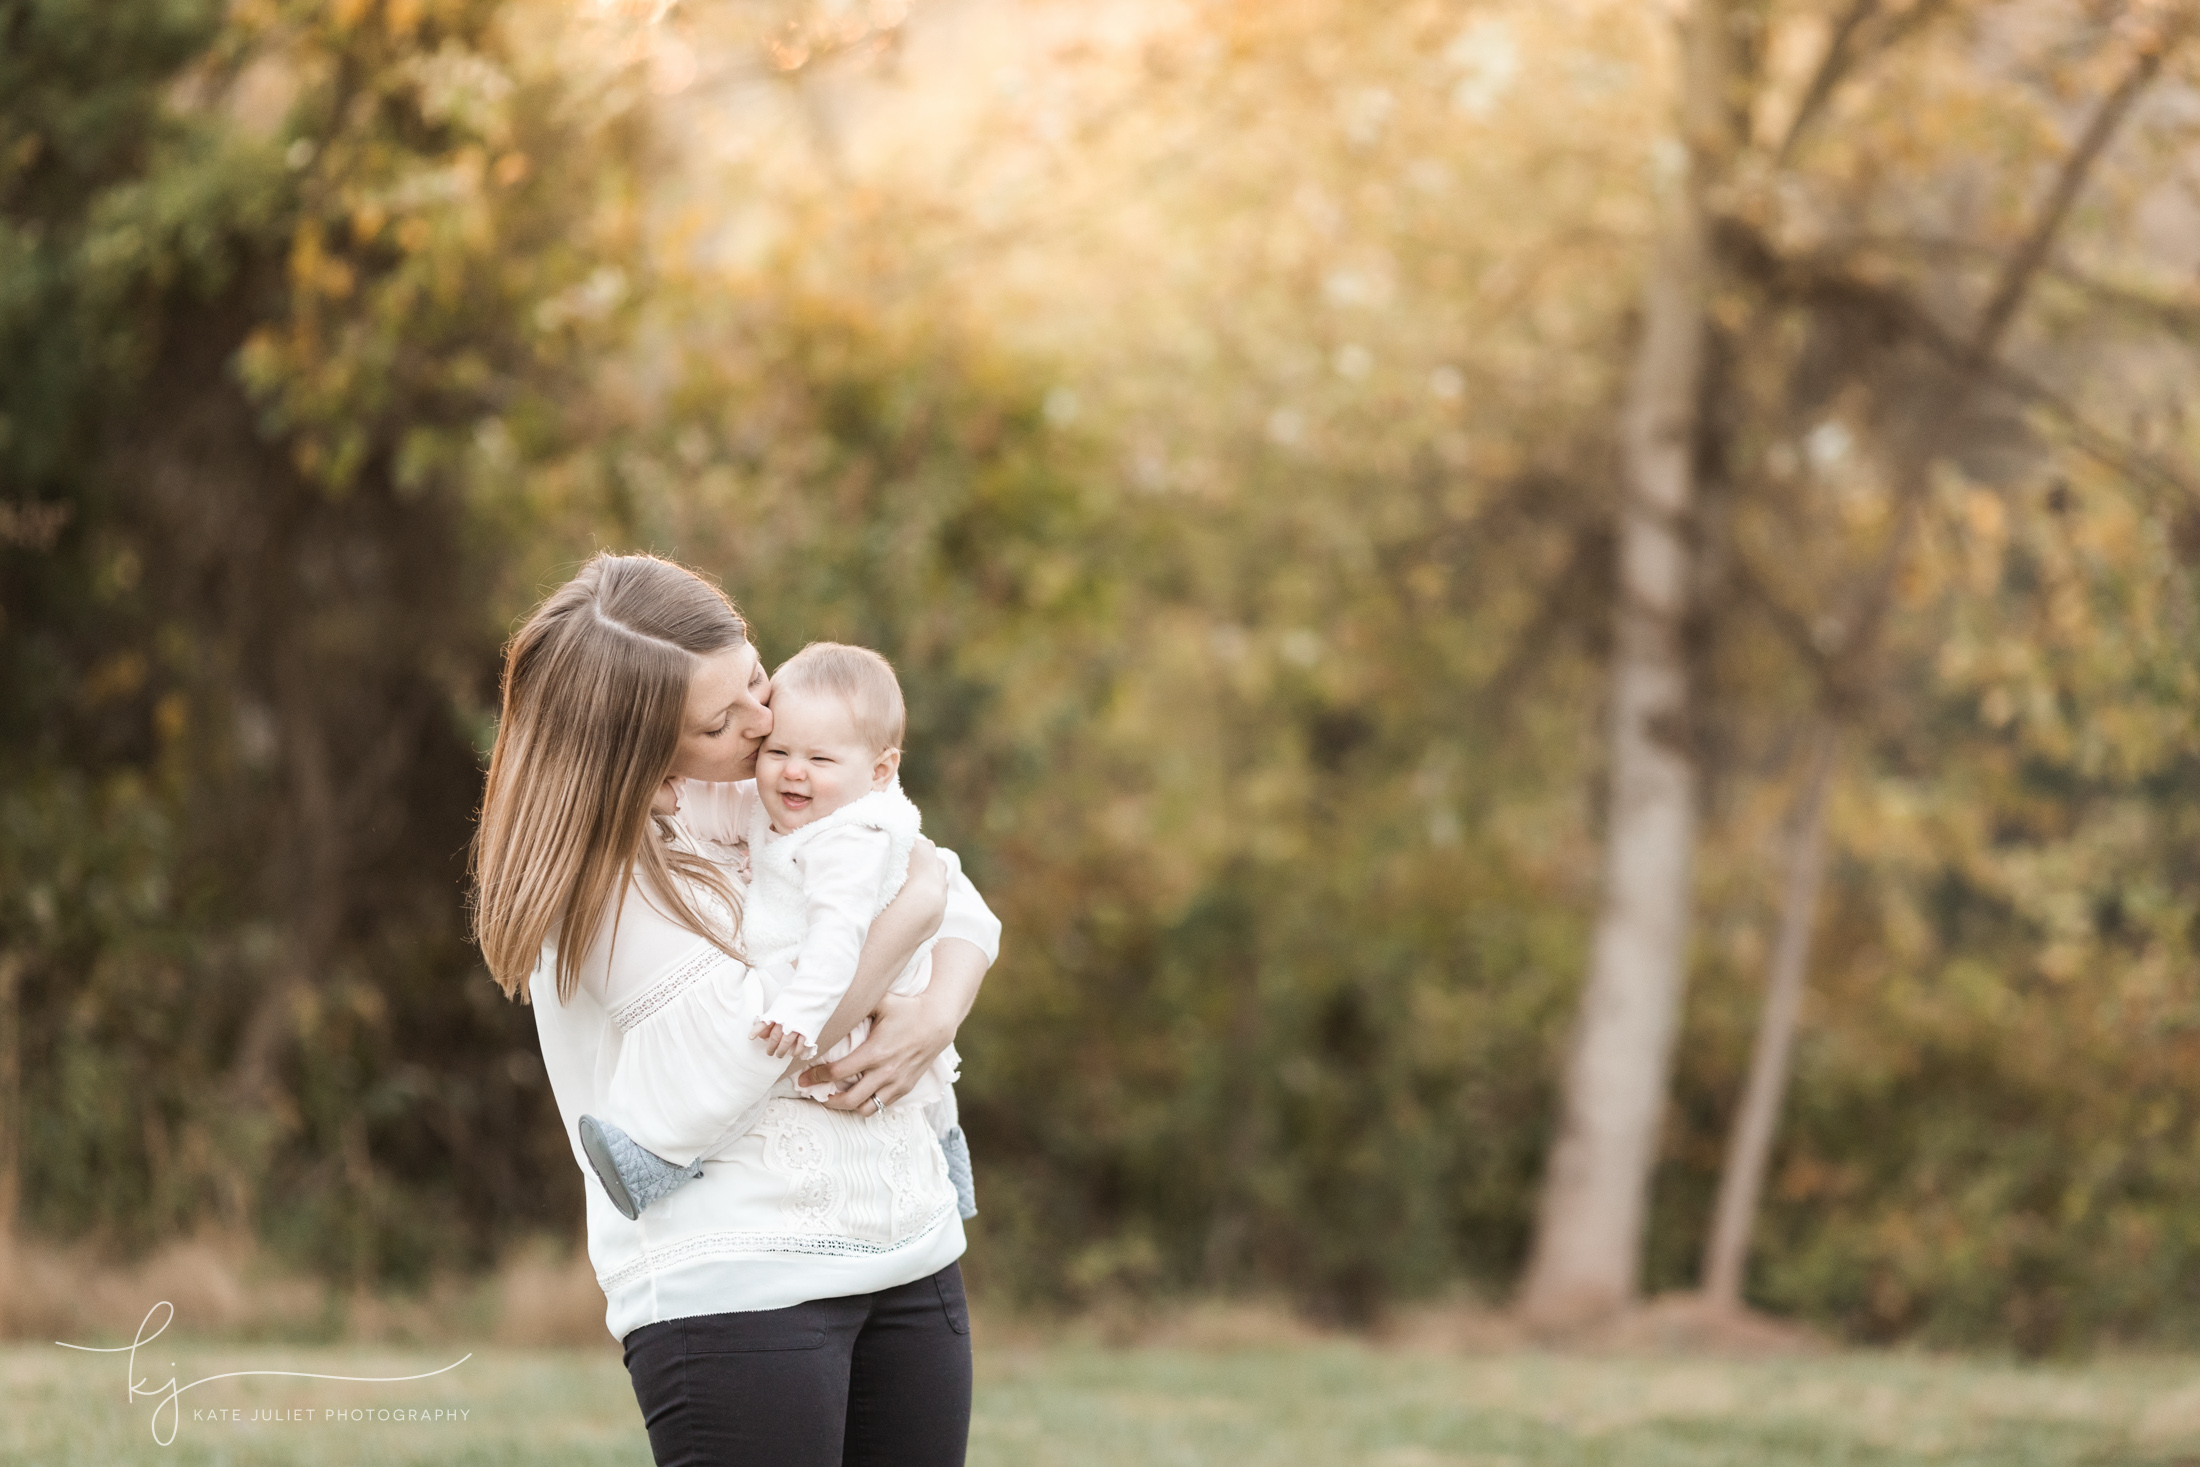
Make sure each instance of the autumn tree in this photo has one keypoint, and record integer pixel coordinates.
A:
(1589, 1227)
(295, 292)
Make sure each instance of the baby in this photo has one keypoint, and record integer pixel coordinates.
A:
(829, 846)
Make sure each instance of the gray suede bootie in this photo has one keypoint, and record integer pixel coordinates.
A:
(634, 1177)
(957, 1150)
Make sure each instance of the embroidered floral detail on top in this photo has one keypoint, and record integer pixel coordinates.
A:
(684, 975)
(900, 1175)
(799, 1149)
(812, 1244)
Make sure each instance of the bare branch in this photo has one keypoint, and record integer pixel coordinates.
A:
(1827, 286)
(2098, 444)
(2017, 275)
(1977, 365)
(1840, 51)
(2176, 317)
(1845, 52)
(2173, 314)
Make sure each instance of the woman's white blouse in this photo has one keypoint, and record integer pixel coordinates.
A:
(796, 1202)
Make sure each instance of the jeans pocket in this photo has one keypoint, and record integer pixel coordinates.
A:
(748, 1332)
(950, 1282)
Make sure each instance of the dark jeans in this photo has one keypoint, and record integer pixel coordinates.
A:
(864, 1381)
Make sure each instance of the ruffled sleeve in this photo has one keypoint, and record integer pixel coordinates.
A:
(688, 1073)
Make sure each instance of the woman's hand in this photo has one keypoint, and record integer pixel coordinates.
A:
(907, 1034)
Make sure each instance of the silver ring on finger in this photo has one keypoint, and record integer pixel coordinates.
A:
(878, 1105)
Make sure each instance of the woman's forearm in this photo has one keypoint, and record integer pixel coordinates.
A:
(909, 1033)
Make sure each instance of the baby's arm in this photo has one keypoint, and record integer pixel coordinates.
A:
(843, 872)
(911, 920)
(910, 1034)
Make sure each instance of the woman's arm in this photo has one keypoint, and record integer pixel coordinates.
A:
(907, 1034)
(689, 1071)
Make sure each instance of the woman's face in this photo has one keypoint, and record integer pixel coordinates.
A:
(728, 715)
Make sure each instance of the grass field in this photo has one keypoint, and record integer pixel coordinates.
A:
(1082, 1405)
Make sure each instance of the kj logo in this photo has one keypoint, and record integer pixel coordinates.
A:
(168, 1396)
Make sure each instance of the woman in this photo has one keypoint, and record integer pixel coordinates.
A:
(800, 1304)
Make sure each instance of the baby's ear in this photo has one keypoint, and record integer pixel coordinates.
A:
(883, 772)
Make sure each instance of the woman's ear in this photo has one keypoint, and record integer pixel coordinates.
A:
(883, 772)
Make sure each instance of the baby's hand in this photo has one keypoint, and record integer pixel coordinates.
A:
(782, 1043)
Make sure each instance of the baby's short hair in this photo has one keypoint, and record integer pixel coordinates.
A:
(859, 676)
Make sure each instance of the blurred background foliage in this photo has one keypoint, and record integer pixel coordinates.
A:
(1210, 408)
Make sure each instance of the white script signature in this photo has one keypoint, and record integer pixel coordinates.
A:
(171, 1393)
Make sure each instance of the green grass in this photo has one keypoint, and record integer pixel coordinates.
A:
(1071, 1405)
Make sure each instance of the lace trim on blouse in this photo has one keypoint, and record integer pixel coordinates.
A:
(684, 975)
(815, 1245)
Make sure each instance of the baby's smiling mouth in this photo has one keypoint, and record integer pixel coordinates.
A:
(792, 800)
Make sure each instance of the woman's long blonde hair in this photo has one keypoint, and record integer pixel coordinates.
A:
(595, 689)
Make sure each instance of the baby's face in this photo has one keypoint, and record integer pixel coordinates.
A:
(813, 762)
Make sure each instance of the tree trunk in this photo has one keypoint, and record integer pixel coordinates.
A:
(11, 1123)
(1585, 1260)
(1749, 1147)
(1741, 1181)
